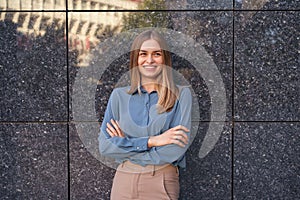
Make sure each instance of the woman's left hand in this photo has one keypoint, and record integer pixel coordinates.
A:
(114, 129)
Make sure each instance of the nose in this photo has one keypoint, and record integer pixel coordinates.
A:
(149, 59)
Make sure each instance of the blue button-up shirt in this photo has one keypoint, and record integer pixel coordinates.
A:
(138, 119)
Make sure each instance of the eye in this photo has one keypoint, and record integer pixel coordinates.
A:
(142, 54)
(157, 54)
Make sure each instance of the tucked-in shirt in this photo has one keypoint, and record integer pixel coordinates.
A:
(138, 119)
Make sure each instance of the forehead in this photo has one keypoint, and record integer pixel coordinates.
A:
(150, 45)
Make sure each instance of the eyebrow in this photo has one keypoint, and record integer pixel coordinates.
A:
(153, 51)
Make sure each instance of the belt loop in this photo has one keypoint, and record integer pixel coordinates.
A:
(153, 170)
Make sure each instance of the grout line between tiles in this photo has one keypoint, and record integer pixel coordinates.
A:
(232, 107)
(187, 10)
(201, 121)
(68, 103)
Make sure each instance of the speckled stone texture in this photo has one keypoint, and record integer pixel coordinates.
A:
(33, 161)
(209, 177)
(266, 160)
(33, 73)
(266, 65)
(89, 178)
(213, 30)
(267, 4)
(199, 5)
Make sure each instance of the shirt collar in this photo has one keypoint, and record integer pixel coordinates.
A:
(142, 90)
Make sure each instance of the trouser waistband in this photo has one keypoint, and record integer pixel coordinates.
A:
(130, 167)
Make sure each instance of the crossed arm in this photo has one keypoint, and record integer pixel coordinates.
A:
(160, 149)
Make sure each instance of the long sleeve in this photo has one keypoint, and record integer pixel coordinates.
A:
(170, 153)
(135, 148)
(111, 146)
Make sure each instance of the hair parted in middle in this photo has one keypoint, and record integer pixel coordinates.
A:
(166, 88)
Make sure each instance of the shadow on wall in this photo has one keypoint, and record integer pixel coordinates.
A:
(33, 88)
(34, 74)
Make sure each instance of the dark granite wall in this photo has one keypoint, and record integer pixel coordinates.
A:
(255, 46)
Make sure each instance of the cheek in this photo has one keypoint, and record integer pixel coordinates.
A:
(160, 60)
(140, 61)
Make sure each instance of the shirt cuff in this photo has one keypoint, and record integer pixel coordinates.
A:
(141, 144)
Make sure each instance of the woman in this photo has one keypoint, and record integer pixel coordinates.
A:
(146, 126)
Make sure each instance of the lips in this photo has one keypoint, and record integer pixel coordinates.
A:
(149, 66)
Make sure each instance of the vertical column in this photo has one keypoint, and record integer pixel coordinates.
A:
(3, 4)
(26, 4)
(37, 5)
(13, 5)
(37, 24)
(16, 17)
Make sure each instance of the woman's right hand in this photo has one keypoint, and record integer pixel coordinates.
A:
(176, 135)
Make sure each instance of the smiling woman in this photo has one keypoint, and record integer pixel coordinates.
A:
(151, 45)
(150, 62)
(146, 125)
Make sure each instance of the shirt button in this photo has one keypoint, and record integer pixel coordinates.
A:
(137, 147)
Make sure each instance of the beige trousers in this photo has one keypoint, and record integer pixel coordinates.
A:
(152, 182)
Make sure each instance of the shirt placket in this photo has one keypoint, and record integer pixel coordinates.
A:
(147, 105)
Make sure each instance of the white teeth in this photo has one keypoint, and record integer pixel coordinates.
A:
(149, 66)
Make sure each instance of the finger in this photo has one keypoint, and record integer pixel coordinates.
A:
(112, 129)
(114, 123)
(117, 128)
(180, 127)
(175, 141)
(123, 135)
(182, 138)
(109, 132)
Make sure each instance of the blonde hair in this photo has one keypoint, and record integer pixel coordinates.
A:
(166, 88)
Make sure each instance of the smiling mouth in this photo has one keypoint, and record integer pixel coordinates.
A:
(149, 66)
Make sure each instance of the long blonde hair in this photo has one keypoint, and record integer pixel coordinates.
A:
(166, 88)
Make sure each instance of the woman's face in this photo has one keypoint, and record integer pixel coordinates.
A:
(150, 60)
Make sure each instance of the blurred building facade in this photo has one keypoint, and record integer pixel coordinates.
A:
(85, 29)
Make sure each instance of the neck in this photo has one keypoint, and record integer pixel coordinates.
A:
(149, 87)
